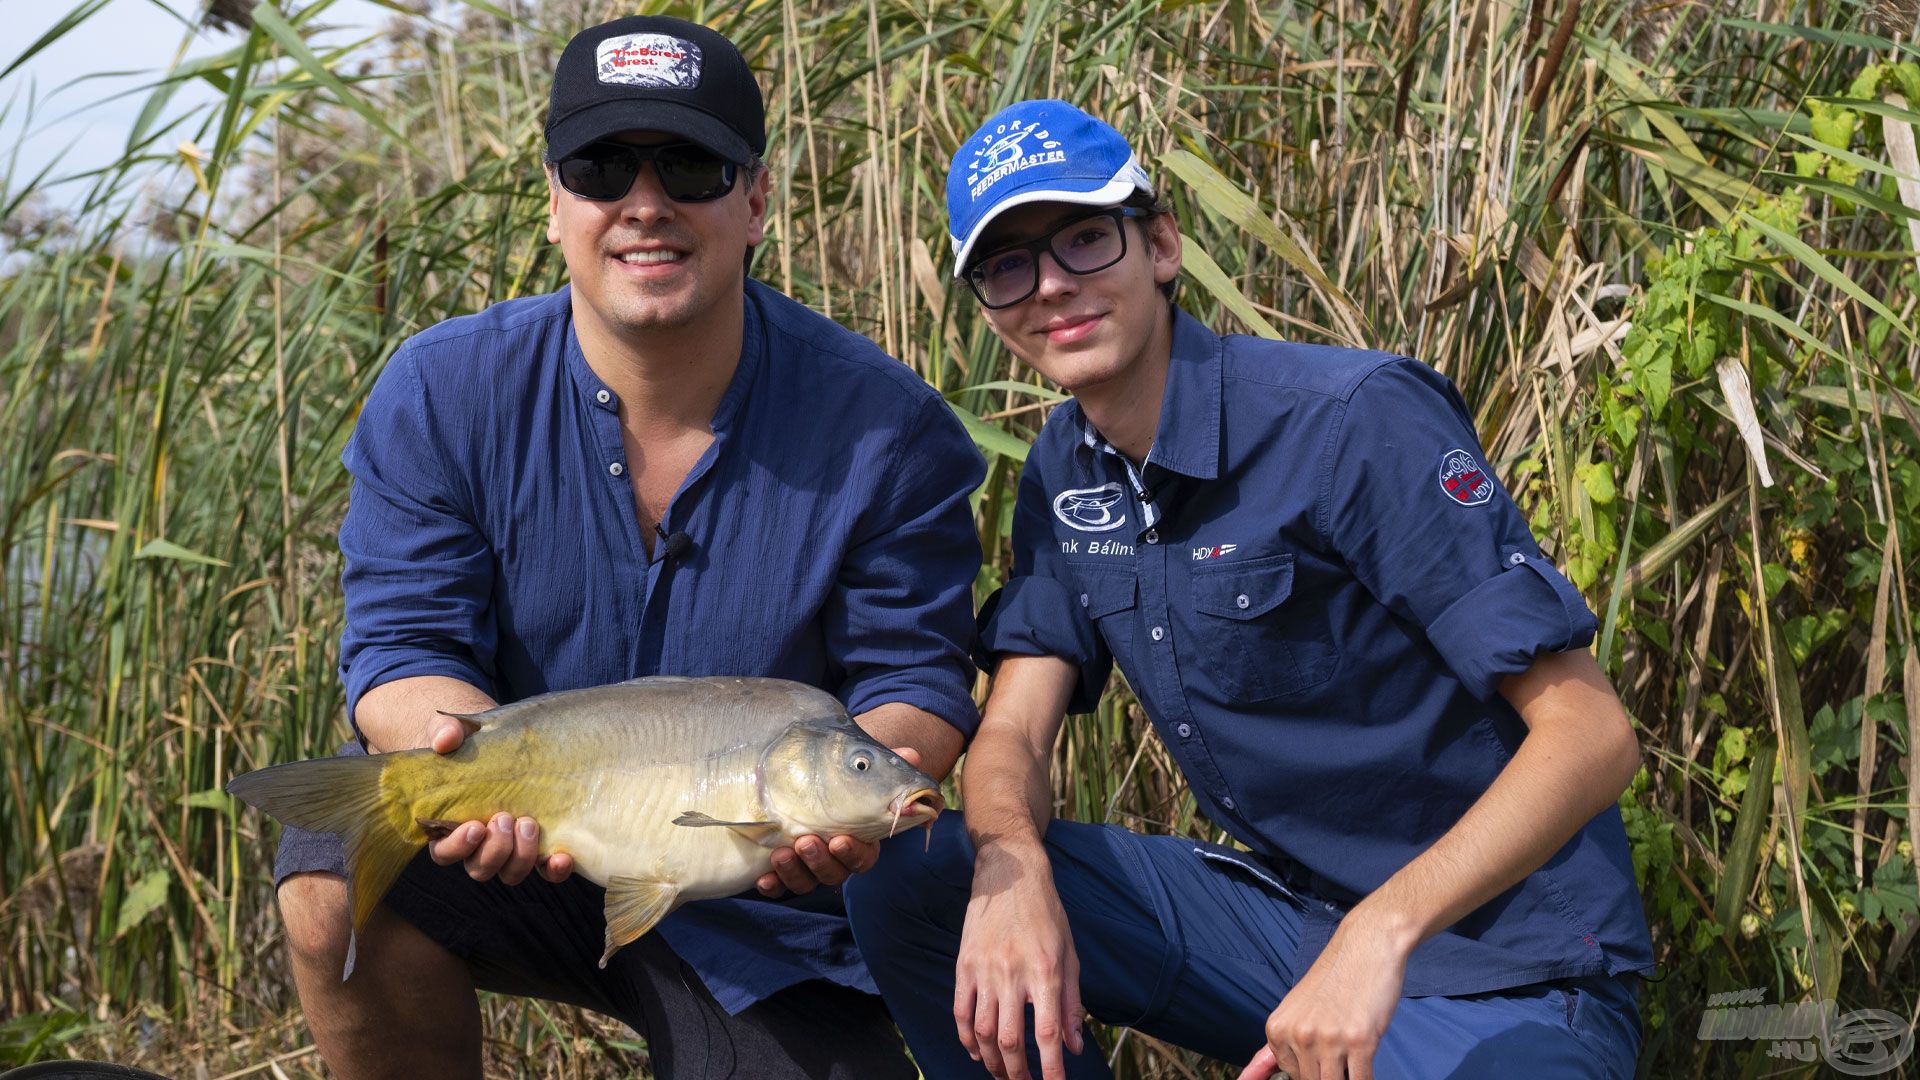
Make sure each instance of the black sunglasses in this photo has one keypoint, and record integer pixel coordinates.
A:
(604, 171)
(1085, 245)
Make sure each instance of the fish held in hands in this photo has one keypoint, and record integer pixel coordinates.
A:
(662, 790)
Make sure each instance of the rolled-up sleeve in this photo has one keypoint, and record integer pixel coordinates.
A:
(419, 575)
(1411, 504)
(900, 617)
(1036, 613)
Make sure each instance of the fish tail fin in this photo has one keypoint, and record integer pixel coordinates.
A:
(376, 854)
(343, 795)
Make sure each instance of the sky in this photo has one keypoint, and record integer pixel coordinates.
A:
(84, 125)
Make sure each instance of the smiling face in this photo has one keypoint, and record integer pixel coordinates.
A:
(647, 263)
(1084, 331)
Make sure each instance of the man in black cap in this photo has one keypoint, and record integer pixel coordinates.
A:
(665, 468)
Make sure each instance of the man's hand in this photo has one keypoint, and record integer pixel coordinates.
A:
(1329, 1025)
(1016, 949)
(506, 847)
(812, 862)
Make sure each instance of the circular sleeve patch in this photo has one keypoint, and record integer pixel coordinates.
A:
(1464, 479)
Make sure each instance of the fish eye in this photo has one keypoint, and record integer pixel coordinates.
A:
(862, 761)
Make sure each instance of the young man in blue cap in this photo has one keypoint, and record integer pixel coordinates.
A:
(1346, 637)
(665, 468)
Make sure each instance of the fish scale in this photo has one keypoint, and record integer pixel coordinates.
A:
(663, 789)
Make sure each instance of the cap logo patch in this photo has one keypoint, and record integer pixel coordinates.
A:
(1090, 509)
(650, 60)
(1462, 478)
(1006, 150)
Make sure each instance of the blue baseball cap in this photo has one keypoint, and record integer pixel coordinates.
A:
(1036, 151)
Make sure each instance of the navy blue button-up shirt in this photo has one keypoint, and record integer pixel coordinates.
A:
(1314, 585)
(492, 536)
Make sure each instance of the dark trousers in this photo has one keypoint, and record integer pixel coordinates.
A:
(1195, 945)
(538, 939)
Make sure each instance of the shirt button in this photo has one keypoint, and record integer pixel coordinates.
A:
(603, 397)
(1083, 599)
(1227, 802)
(1516, 559)
(1184, 730)
(1242, 602)
(1158, 633)
(1153, 536)
(616, 468)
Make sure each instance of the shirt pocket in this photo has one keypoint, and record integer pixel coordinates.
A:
(1254, 643)
(1106, 596)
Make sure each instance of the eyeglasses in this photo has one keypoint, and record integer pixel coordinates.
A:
(604, 171)
(1084, 245)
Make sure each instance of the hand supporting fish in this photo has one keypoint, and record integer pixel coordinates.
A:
(814, 861)
(504, 846)
(663, 790)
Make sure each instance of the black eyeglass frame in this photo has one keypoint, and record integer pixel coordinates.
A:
(1119, 214)
(730, 172)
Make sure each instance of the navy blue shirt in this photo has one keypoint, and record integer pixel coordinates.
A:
(1314, 585)
(492, 537)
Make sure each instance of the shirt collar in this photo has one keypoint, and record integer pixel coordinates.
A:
(597, 392)
(752, 336)
(752, 339)
(1187, 440)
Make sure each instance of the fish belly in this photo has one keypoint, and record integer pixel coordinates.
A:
(626, 828)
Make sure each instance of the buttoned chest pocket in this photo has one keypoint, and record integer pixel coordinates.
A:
(1254, 643)
(1108, 597)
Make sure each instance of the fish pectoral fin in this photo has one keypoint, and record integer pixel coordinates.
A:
(481, 720)
(633, 907)
(756, 831)
(436, 829)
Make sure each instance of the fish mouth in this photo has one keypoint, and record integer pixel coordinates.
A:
(916, 808)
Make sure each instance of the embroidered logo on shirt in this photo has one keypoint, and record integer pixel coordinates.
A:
(1090, 509)
(1200, 553)
(1462, 478)
(650, 60)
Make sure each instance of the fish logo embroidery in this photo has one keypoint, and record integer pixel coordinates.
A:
(1463, 479)
(1004, 151)
(649, 60)
(1090, 509)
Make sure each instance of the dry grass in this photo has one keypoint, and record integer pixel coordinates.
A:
(1591, 217)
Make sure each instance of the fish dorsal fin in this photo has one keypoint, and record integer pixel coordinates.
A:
(634, 905)
(756, 831)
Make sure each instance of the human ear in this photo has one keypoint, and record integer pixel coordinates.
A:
(757, 190)
(1163, 241)
(553, 208)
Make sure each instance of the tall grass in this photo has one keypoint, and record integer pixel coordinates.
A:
(1666, 252)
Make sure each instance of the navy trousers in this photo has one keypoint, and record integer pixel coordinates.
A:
(1195, 944)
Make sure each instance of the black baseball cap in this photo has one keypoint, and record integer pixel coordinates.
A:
(655, 73)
